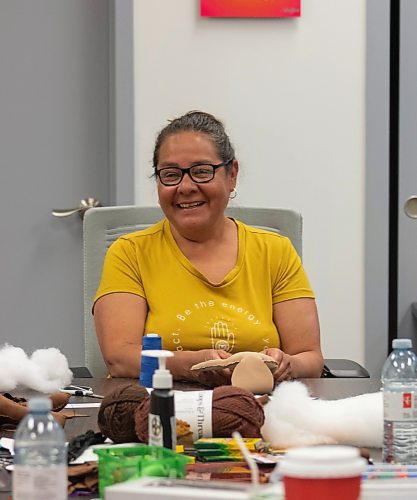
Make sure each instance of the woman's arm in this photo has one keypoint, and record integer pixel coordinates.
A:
(120, 323)
(298, 326)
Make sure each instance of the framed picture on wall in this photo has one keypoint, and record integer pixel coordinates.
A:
(250, 8)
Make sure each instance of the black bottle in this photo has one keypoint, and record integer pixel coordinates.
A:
(162, 422)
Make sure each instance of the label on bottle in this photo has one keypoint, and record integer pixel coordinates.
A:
(400, 405)
(39, 483)
(156, 431)
(195, 408)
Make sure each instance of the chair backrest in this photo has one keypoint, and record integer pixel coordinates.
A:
(102, 226)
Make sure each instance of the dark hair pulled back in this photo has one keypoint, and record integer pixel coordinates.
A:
(198, 121)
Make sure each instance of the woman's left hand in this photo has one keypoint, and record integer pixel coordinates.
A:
(284, 370)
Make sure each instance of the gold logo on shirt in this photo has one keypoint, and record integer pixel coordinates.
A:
(221, 337)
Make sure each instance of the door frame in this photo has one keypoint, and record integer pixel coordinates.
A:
(377, 184)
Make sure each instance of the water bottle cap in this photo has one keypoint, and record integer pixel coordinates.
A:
(40, 404)
(402, 344)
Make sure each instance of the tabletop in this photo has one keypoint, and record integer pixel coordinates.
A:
(323, 388)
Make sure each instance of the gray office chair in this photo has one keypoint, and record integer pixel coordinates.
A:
(102, 226)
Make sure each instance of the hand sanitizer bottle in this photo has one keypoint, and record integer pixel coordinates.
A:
(162, 422)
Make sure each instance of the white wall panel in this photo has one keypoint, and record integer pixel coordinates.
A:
(292, 95)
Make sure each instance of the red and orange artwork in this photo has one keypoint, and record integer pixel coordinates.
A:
(250, 8)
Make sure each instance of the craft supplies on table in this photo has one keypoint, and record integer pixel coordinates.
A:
(251, 444)
(117, 464)
(247, 416)
(80, 390)
(161, 418)
(151, 341)
(6, 458)
(223, 449)
(379, 471)
(389, 489)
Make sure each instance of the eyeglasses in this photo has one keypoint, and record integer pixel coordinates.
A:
(202, 173)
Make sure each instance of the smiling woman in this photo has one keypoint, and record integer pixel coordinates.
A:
(196, 277)
(195, 204)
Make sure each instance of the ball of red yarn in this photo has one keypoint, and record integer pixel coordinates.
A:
(116, 417)
(233, 409)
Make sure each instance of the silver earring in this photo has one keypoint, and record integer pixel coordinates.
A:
(233, 194)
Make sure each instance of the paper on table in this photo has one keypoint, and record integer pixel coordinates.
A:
(7, 443)
(83, 405)
(88, 455)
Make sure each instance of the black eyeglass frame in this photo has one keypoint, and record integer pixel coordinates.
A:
(188, 171)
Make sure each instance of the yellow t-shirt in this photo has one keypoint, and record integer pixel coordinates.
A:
(191, 313)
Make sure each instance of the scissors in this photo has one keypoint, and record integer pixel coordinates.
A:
(80, 390)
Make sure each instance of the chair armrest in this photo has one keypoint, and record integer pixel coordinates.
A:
(81, 372)
(343, 368)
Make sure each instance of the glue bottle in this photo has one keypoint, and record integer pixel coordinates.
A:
(162, 422)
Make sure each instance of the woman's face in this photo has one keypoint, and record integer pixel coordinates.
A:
(190, 206)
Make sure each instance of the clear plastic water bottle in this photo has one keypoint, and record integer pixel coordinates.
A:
(40, 462)
(399, 386)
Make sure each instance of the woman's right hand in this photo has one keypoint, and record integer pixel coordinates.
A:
(210, 378)
(213, 378)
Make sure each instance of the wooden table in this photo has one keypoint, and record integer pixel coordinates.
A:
(324, 388)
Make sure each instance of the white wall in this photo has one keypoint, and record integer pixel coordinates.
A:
(292, 96)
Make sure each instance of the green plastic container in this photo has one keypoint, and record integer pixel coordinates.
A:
(117, 464)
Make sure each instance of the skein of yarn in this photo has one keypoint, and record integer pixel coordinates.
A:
(233, 409)
(116, 417)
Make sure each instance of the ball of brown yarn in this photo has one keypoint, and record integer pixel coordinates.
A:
(233, 409)
(116, 417)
